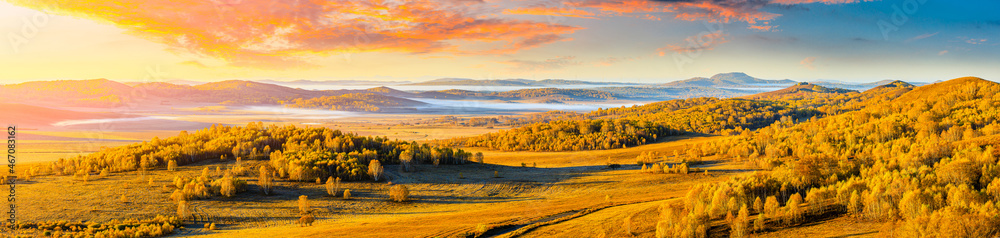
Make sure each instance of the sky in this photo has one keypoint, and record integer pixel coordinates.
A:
(643, 41)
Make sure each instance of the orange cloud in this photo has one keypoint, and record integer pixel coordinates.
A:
(282, 34)
(615, 7)
(550, 11)
(715, 12)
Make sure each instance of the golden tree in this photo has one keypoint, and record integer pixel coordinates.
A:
(375, 169)
(304, 204)
(399, 193)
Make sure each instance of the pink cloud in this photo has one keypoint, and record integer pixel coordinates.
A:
(809, 63)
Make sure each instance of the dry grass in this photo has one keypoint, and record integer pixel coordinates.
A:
(442, 203)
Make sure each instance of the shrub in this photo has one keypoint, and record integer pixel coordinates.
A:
(479, 157)
(406, 161)
(304, 204)
(332, 185)
(399, 193)
(375, 169)
(124, 199)
(306, 220)
(347, 194)
(228, 185)
(172, 165)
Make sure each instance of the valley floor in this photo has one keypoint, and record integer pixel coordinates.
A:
(556, 194)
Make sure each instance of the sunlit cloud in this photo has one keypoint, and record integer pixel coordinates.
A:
(286, 34)
(551, 11)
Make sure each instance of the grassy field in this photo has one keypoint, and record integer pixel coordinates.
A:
(447, 201)
(555, 194)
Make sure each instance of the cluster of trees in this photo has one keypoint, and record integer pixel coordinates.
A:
(225, 184)
(923, 161)
(515, 120)
(324, 153)
(363, 102)
(152, 227)
(637, 125)
(572, 135)
(667, 168)
(295, 153)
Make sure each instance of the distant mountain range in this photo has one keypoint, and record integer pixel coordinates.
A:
(508, 82)
(730, 80)
(742, 80)
(331, 82)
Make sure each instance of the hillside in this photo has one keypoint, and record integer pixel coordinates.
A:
(84, 93)
(892, 162)
(506, 82)
(799, 91)
(363, 102)
(732, 80)
(667, 93)
(853, 86)
(104, 93)
(28, 116)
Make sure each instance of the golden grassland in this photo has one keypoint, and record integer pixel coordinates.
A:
(569, 194)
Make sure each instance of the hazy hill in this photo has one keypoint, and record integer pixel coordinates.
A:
(507, 82)
(295, 83)
(667, 93)
(27, 116)
(106, 93)
(85, 93)
(735, 79)
(538, 94)
(367, 102)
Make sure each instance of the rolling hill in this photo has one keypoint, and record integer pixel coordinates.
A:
(732, 80)
(28, 116)
(507, 82)
(801, 90)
